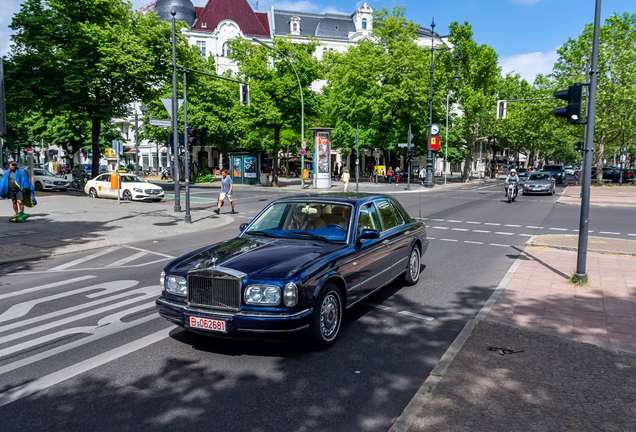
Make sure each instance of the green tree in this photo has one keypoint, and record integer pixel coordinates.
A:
(90, 57)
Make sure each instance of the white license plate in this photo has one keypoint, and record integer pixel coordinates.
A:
(153, 195)
(208, 324)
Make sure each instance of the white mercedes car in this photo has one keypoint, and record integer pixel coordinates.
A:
(133, 188)
(46, 180)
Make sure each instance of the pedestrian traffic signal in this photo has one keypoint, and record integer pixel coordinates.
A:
(171, 141)
(578, 146)
(410, 154)
(245, 94)
(572, 113)
(501, 109)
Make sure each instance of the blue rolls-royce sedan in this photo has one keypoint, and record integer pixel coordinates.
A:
(296, 267)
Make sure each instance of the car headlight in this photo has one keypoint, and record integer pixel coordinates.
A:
(48, 181)
(262, 295)
(290, 294)
(176, 285)
(137, 190)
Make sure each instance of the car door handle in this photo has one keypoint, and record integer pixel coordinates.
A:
(386, 242)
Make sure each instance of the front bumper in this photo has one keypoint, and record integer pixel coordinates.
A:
(51, 186)
(145, 196)
(537, 191)
(236, 323)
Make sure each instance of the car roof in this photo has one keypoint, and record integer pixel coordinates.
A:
(340, 197)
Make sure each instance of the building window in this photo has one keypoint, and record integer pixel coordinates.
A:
(295, 27)
(364, 23)
(204, 25)
(225, 50)
(336, 27)
(201, 46)
(164, 160)
(324, 50)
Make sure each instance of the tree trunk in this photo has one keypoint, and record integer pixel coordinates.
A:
(276, 146)
(599, 160)
(95, 130)
(287, 162)
(468, 163)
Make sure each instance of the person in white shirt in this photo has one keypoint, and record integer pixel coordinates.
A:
(423, 175)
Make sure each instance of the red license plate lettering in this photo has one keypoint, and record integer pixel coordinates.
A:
(208, 324)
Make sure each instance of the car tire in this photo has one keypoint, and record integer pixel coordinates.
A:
(412, 273)
(38, 186)
(127, 196)
(92, 193)
(327, 317)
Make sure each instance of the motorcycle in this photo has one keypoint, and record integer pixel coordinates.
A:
(511, 191)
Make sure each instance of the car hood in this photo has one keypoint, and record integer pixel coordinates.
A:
(545, 182)
(269, 258)
(140, 185)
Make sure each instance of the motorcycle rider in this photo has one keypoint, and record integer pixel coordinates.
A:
(512, 177)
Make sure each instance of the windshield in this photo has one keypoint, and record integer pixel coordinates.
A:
(132, 179)
(318, 220)
(43, 172)
(552, 168)
(540, 176)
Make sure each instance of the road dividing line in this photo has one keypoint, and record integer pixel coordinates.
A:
(504, 233)
(41, 287)
(449, 240)
(455, 221)
(532, 227)
(558, 229)
(631, 234)
(515, 226)
(438, 220)
(490, 223)
(460, 229)
(50, 380)
(476, 223)
(473, 242)
(377, 306)
(495, 244)
(609, 232)
(84, 259)
(414, 315)
(481, 231)
(440, 227)
(526, 235)
(126, 260)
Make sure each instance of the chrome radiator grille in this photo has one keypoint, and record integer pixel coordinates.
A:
(214, 292)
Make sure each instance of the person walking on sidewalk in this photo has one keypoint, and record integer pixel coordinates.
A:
(371, 171)
(398, 172)
(423, 175)
(15, 185)
(345, 179)
(389, 174)
(226, 191)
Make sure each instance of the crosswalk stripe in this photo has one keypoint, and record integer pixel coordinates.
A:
(84, 259)
(126, 260)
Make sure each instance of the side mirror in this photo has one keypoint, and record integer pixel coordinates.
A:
(369, 234)
(242, 227)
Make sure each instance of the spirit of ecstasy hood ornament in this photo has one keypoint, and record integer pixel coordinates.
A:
(214, 263)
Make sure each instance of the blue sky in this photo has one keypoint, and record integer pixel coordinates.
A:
(525, 33)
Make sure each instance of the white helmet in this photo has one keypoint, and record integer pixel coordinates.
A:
(513, 171)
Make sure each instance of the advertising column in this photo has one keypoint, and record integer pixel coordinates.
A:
(322, 158)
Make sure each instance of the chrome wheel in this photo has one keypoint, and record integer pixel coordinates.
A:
(92, 193)
(127, 195)
(414, 264)
(38, 186)
(329, 317)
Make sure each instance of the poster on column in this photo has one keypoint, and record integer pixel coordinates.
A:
(324, 150)
(250, 167)
(237, 167)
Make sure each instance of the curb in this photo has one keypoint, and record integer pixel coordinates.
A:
(409, 415)
(575, 249)
(98, 244)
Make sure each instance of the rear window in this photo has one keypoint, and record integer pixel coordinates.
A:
(553, 167)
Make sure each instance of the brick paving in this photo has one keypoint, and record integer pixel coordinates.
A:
(624, 195)
(540, 297)
(556, 384)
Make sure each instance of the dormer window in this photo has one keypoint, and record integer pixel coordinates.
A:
(294, 26)
(204, 25)
(364, 23)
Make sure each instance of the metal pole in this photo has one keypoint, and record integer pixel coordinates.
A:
(357, 157)
(188, 219)
(408, 148)
(429, 160)
(137, 143)
(302, 124)
(175, 119)
(31, 162)
(446, 157)
(581, 258)
(117, 178)
(1, 152)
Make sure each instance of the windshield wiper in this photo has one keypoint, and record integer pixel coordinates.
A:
(265, 233)
(305, 233)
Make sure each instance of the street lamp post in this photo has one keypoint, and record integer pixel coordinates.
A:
(446, 157)
(143, 112)
(175, 117)
(430, 182)
(302, 108)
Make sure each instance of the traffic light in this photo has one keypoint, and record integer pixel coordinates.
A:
(171, 141)
(192, 138)
(578, 146)
(245, 94)
(501, 109)
(572, 113)
(410, 154)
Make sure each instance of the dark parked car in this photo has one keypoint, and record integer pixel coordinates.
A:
(613, 174)
(557, 171)
(539, 183)
(523, 172)
(296, 267)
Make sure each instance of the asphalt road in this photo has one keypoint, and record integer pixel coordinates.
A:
(82, 348)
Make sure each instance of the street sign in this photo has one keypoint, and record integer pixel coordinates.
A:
(81, 154)
(162, 123)
(303, 144)
(118, 147)
(302, 151)
(403, 145)
(433, 143)
(29, 150)
(110, 152)
(168, 104)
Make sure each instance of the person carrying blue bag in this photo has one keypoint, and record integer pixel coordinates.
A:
(15, 185)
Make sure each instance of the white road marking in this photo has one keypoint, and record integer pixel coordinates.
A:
(504, 233)
(476, 223)
(377, 306)
(440, 227)
(47, 381)
(455, 221)
(473, 242)
(481, 231)
(515, 226)
(490, 223)
(495, 244)
(558, 229)
(632, 234)
(460, 229)
(451, 240)
(84, 259)
(414, 315)
(438, 220)
(110, 287)
(42, 287)
(609, 232)
(126, 260)
(526, 235)
(532, 227)
(150, 252)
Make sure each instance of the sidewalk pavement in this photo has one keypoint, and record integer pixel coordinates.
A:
(576, 365)
(620, 196)
(62, 224)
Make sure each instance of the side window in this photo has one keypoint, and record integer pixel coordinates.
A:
(398, 216)
(368, 218)
(103, 177)
(387, 214)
